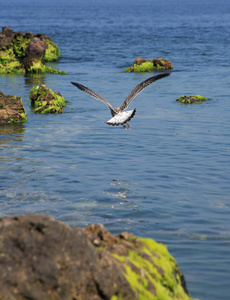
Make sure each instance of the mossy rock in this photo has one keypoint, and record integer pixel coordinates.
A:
(11, 109)
(38, 67)
(14, 51)
(9, 62)
(191, 99)
(92, 263)
(150, 270)
(20, 43)
(143, 65)
(52, 51)
(45, 101)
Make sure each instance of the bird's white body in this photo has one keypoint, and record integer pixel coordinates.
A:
(121, 118)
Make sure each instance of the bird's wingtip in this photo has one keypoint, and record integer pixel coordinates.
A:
(165, 74)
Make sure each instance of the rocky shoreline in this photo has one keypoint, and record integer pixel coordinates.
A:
(42, 258)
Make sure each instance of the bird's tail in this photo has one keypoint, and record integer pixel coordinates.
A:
(122, 118)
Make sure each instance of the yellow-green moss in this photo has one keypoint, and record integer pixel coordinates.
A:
(153, 266)
(54, 105)
(12, 57)
(54, 71)
(24, 117)
(52, 51)
(48, 110)
(149, 66)
(34, 90)
(144, 67)
(13, 67)
(6, 55)
(192, 99)
(9, 62)
(20, 44)
(39, 68)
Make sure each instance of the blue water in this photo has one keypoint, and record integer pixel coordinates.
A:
(167, 178)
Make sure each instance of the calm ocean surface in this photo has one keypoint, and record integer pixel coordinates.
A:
(168, 178)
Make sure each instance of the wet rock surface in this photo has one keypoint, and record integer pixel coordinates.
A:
(46, 259)
(144, 65)
(34, 52)
(11, 109)
(26, 52)
(45, 101)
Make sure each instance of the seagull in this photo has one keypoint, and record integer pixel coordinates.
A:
(120, 116)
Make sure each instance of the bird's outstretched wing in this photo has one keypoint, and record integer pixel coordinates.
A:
(92, 94)
(140, 88)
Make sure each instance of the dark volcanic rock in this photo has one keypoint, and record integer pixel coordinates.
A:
(45, 259)
(7, 37)
(11, 109)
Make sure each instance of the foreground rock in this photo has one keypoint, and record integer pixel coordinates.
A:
(45, 259)
(144, 65)
(11, 109)
(191, 99)
(45, 101)
(26, 53)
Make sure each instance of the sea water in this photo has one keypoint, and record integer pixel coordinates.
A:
(168, 178)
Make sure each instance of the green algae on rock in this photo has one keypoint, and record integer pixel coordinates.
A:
(11, 109)
(26, 53)
(143, 65)
(192, 99)
(92, 263)
(150, 270)
(52, 52)
(45, 101)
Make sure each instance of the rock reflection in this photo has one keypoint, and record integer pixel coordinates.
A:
(34, 79)
(6, 129)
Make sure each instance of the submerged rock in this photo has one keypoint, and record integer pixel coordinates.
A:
(191, 99)
(46, 259)
(26, 53)
(11, 109)
(45, 101)
(144, 65)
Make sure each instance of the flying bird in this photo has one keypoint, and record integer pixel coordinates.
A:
(120, 116)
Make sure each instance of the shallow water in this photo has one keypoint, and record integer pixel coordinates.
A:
(167, 178)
